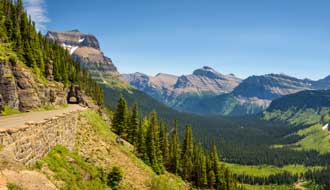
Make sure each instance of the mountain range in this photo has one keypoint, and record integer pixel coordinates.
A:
(207, 91)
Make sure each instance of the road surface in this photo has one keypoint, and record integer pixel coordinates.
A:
(18, 120)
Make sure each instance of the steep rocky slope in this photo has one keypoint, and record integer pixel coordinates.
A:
(22, 90)
(172, 89)
(84, 48)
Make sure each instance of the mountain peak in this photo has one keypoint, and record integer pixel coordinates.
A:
(208, 68)
(75, 30)
(204, 70)
(84, 48)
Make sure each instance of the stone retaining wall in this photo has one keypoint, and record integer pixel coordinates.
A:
(31, 142)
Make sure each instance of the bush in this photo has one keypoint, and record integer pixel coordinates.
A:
(8, 111)
(164, 183)
(13, 186)
(114, 178)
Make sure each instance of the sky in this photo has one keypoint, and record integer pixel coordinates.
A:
(243, 37)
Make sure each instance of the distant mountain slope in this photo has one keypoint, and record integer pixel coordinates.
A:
(314, 99)
(322, 83)
(309, 111)
(251, 96)
(270, 86)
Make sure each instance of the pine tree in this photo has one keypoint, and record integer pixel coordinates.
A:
(211, 179)
(187, 154)
(200, 169)
(134, 124)
(152, 143)
(214, 161)
(165, 145)
(141, 143)
(121, 117)
(175, 150)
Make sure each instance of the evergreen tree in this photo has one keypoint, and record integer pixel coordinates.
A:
(152, 143)
(141, 143)
(175, 151)
(211, 179)
(187, 154)
(134, 124)
(121, 117)
(165, 145)
(200, 170)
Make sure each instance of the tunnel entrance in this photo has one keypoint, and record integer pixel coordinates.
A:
(74, 96)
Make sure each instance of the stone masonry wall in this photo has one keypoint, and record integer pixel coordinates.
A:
(31, 142)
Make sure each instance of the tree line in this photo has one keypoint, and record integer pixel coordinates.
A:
(319, 179)
(284, 178)
(47, 59)
(161, 147)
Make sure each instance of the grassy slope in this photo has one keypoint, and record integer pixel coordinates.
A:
(96, 153)
(98, 143)
(312, 135)
(269, 187)
(314, 138)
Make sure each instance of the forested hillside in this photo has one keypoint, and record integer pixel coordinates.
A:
(160, 147)
(21, 45)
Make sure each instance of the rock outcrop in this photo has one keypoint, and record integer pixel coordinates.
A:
(21, 90)
(85, 49)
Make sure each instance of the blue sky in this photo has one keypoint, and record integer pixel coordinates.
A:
(243, 37)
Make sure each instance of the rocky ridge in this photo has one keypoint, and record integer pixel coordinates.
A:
(167, 88)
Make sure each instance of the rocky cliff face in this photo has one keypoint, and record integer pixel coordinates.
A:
(21, 90)
(169, 88)
(85, 49)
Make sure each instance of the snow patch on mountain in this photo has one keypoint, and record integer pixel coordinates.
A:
(70, 48)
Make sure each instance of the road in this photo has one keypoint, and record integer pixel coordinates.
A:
(18, 120)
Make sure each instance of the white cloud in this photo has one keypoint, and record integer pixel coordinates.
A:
(38, 12)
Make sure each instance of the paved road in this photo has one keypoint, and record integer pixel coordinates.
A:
(20, 119)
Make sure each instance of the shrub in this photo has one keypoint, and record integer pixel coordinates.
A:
(8, 111)
(115, 177)
(13, 186)
(164, 183)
